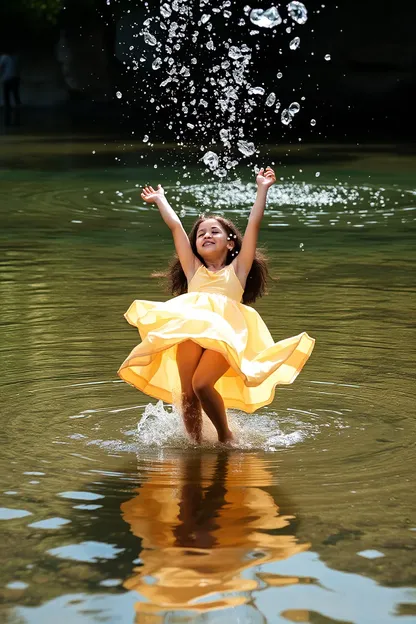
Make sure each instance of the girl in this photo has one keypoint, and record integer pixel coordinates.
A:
(204, 344)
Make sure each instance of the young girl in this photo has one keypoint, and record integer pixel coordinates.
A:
(205, 345)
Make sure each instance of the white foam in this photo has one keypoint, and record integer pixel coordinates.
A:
(162, 426)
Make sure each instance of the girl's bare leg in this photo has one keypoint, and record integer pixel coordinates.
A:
(188, 356)
(211, 367)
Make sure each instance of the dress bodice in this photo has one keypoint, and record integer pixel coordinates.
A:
(222, 282)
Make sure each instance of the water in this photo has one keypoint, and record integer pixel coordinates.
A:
(109, 513)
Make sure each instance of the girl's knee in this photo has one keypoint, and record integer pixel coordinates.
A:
(200, 386)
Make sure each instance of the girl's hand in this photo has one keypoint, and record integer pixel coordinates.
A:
(150, 195)
(265, 178)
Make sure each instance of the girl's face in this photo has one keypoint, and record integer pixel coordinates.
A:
(212, 240)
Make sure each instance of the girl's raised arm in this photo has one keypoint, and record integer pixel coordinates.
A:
(244, 260)
(183, 247)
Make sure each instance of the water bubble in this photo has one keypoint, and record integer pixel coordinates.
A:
(297, 12)
(271, 99)
(145, 138)
(294, 44)
(150, 39)
(265, 19)
(327, 57)
(279, 75)
(313, 122)
(256, 91)
(210, 159)
(157, 63)
(165, 10)
(286, 117)
(119, 95)
(294, 108)
(246, 148)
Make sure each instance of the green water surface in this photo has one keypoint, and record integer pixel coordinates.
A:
(311, 519)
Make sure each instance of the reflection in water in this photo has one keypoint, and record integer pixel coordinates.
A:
(205, 529)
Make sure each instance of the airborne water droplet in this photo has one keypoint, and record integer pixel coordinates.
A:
(256, 91)
(119, 95)
(246, 148)
(297, 12)
(294, 44)
(265, 19)
(165, 10)
(294, 108)
(271, 99)
(313, 122)
(150, 39)
(157, 63)
(210, 159)
(327, 57)
(286, 117)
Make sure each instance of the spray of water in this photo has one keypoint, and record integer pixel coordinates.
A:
(203, 83)
(161, 426)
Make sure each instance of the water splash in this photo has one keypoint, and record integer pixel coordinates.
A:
(226, 100)
(163, 427)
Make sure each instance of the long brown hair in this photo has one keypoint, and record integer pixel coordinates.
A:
(256, 279)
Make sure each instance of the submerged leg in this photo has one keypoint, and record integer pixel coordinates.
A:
(188, 356)
(211, 367)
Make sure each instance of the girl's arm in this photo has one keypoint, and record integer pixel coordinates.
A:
(245, 258)
(183, 247)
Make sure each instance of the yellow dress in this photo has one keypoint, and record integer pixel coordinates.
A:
(211, 315)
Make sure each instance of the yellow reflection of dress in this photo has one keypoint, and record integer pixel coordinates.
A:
(202, 531)
(211, 314)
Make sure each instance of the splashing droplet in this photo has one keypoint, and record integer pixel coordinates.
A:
(297, 12)
(279, 75)
(294, 108)
(210, 159)
(327, 57)
(265, 19)
(294, 44)
(145, 138)
(246, 148)
(157, 63)
(256, 91)
(271, 99)
(119, 95)
(286, 117)
(313, 122)
(150, 39)
(317, 174)
(165, 10)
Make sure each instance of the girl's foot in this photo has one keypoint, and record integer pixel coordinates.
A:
(226, 438)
